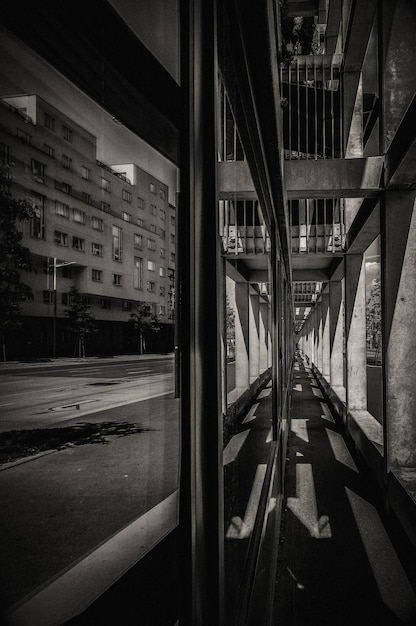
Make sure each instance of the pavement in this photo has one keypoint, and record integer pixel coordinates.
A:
(341, 561)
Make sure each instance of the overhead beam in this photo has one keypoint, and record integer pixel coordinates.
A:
(365, 227)
(324, 178)
(310, 275)
(401, 156)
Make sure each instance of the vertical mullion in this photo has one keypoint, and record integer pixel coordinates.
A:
(316, 107)
(332, 109)
(298, 107)
(289, 72)
(323, 109)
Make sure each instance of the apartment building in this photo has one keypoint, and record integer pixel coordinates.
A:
(108, 230)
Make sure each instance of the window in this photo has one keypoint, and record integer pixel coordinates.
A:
(126, 305)
(126, 195)
(48, 121)
(66, 162)
(61, 208)
(162, 233)
(151, 265)
(66, 271)
(117, 235)
(172, 220)
(85, 173)
(138, 240)
(97, 223)
(38, 168)
(96, 249)
(49, 150)
(105, 206)
(138, 273)
(80, 216)
(60, 238)
(117, 280)
(105, 184)
(162, 291)
(162, 310)
(153, 209)
(162, 194)
(126, 217)
(65, 188)
(162, 253)
(4, 153)
(97, 276)
(162, 271)
(152, 188)
(37, 225)
(172, 257)
(47, 296)
(152, 228)
(151, 244)
(162, 214)
(140, 203)
(150, 285)
(78, 243)
(66, 133)
(86, 197)
(172, 239)
(106, 303)
(25, 137)
(140, 222)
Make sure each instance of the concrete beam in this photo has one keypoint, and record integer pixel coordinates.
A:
(324, 178)
(334, 178)
(365, 227)
(333, 26)
(401, 156)
(311, 275)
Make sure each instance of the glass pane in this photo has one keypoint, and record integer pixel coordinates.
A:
(373, 330)
(89, 428)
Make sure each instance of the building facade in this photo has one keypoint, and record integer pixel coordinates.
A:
(107, 230)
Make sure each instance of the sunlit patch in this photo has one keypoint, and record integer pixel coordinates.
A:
(327, 413)
(393, 585)
(299, 427)
(304, 505)
(340, 450)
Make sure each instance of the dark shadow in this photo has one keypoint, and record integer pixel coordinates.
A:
(17, 444)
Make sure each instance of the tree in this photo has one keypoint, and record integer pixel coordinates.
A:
(229, 328)
(143, 322)
(13, 257)
(82, 321)
(373, 315)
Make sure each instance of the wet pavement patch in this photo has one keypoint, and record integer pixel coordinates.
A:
(17, 444)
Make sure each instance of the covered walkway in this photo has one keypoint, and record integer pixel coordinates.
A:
(341, 561)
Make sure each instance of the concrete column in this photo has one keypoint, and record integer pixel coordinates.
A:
(355, 332)
(336, 334)
(326, 370)
(254, 344)
(318, 308)
(263, 335)
(399, 337)
(242, 375)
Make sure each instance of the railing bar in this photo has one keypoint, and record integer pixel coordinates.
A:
(298, 107)
(316, 108)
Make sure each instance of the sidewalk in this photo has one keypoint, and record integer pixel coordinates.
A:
(341, 562)
(8, 366)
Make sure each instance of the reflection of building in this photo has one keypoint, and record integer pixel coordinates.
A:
(113, 224)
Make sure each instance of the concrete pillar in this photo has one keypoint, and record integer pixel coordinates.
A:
(336, 334)
(355, 329)
(269, 337)
(326, 370)
(263, 335)
(399, 337)
(319, 354)
(254, 344)
(242, 375)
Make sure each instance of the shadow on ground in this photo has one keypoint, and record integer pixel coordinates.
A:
(17, 444)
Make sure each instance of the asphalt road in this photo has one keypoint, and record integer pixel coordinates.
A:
(59, 505)
(39, 395)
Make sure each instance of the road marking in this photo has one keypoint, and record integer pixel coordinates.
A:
(299, 427)
(264, 394)
(304, 505)
(298, 387)
(316, 392)
(241, 529)
(251, 415)
(340, 450)
(392, 582)
(327, 413)
(233, 447)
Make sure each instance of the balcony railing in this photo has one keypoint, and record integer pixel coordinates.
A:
(317, 226)
(242, 228)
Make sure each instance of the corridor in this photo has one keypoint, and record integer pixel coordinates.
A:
(340, 561)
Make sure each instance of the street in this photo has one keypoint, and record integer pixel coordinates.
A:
(105, 453)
